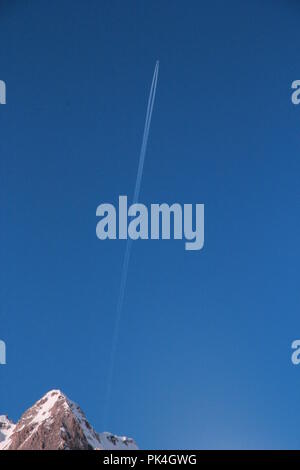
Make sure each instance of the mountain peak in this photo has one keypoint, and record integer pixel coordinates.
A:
(55, 422)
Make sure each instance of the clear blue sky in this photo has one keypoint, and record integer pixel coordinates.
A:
(204, 353)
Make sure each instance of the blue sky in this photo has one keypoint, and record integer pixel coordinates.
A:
(204, 352)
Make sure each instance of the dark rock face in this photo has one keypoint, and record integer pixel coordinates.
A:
(56, 423)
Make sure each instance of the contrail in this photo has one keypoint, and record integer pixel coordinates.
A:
(129, 240)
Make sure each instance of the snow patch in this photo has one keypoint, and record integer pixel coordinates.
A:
(6, 429)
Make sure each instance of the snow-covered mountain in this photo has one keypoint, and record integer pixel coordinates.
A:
(6, 428)
(56, 423)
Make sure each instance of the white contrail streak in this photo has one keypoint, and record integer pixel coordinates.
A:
(129, 240)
